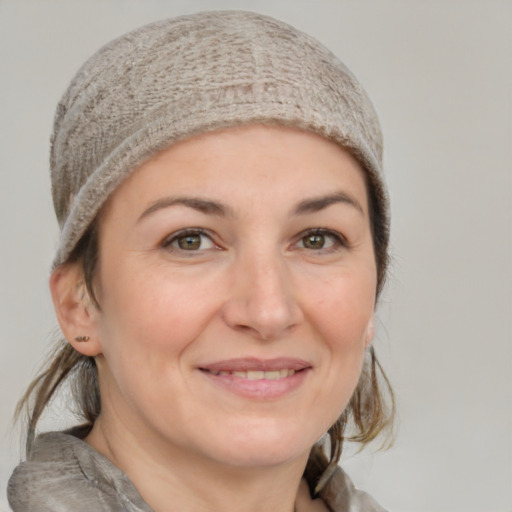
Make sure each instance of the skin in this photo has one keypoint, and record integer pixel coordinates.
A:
(257, 283)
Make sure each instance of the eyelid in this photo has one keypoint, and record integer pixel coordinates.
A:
(340, 241)
(166, 243)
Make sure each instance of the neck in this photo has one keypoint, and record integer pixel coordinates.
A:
(166, 474)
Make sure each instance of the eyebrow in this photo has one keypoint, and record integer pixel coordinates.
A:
(211, 207)
(320, 203)
(206, 206)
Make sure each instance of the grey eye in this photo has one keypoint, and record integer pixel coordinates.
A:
(189, 242)
(314, 241)
(317, 241)
(192, 242)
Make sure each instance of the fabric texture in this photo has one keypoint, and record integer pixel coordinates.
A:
(181, 77)
(65, 474)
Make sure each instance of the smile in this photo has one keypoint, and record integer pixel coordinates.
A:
(258, 379)
(257, 374)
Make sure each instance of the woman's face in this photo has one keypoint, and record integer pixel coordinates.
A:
(236, 281)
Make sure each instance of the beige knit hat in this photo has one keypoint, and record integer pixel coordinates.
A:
(176, 78)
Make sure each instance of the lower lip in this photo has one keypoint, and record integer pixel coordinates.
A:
(261, 389)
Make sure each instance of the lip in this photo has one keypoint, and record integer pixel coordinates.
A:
(247, 364)
(259, 389)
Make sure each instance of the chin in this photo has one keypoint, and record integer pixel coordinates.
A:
(258, 447)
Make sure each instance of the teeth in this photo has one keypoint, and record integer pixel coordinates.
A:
(255, 375)
(258, 374)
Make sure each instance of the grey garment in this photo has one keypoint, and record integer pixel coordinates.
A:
(65, 474)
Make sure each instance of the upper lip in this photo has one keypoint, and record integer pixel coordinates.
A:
(247, 364)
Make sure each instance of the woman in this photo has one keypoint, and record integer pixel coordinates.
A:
(224, 228)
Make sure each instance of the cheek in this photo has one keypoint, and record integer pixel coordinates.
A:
(151, 312)
(148, 322)
(343, 316)
(344, 311)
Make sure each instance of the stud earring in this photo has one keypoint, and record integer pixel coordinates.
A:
(82, 338)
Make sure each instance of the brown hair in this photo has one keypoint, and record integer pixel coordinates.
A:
(370, 410)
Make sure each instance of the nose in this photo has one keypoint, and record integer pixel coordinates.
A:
(262, 300)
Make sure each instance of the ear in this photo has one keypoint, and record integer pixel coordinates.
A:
(76, 314)
(370, 331)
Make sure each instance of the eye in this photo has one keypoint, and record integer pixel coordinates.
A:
(189, 240)
(320, 239)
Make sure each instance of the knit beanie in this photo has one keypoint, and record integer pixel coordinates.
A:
(177, 78)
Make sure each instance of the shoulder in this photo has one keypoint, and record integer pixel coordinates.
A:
(64, 473)
(341, 495)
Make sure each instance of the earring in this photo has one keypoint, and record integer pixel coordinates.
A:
(82, 338)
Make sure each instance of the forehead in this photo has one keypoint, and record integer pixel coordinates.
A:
(248, 165)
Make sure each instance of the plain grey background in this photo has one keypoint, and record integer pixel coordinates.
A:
(440, 75)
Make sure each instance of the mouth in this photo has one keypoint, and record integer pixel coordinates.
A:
(256, 374)
(256, 378)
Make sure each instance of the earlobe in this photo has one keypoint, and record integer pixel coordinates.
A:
(76, 314)
(370, 331)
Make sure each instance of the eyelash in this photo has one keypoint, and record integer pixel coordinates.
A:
(189, 232)
(339, 241)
